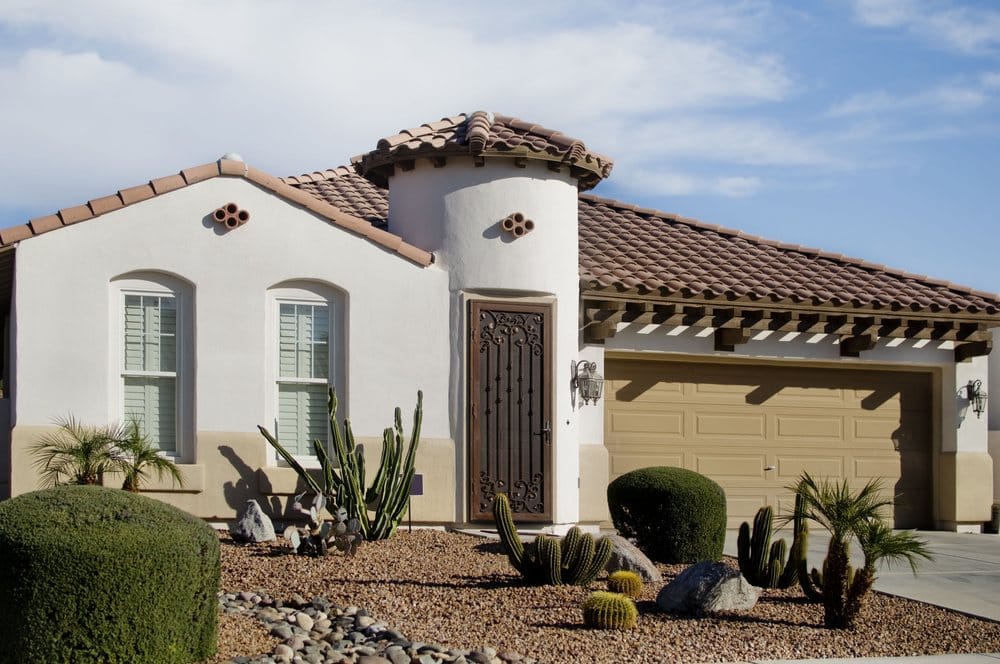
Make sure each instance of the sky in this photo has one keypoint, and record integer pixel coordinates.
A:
(868, 128)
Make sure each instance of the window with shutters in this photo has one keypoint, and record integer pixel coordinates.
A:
(149, 375)
(307, 362)
(303, 374)
(152, 368)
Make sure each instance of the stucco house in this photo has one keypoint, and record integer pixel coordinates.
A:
(464, 258)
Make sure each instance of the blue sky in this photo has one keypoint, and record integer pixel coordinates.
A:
(868, 128)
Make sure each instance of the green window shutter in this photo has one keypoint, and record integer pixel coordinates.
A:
(152, 402)
(303, 374)
(302, 416)
(150, 347)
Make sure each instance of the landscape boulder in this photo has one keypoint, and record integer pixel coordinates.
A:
(627, 556)
(253, 525)
(708, 587)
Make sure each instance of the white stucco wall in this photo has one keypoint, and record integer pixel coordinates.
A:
(455, 211)
(396, 311)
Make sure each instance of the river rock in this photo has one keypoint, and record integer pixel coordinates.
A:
(253, 525)
(707, 587)
(627, 556)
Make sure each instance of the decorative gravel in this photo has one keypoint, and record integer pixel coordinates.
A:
(430, 596)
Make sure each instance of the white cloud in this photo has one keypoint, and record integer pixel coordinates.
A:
(675, 183)
(115, 91)
(947, 98)
(969, 30)
(725, 140)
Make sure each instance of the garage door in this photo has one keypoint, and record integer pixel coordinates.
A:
(755, 428)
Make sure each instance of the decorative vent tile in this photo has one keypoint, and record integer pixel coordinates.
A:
(516, 225)
(230, 215)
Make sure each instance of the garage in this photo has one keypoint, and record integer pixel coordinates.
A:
(754, 428)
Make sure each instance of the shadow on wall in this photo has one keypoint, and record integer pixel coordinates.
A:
(250, 486)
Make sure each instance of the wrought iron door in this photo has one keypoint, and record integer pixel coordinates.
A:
(510, 428)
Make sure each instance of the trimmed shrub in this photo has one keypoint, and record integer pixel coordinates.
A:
(92, 574)
(674, 515)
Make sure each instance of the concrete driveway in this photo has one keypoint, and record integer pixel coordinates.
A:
(964, 575)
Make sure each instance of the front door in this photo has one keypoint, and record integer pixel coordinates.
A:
(510, 424)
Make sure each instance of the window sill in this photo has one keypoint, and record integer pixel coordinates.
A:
(193, 476)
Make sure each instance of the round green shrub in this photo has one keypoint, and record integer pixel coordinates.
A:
(91, 574)
(674, 515)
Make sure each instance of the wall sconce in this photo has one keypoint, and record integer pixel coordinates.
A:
(587, 381)
(977, 398)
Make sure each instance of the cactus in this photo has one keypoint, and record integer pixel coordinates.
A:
(607, 610)
(319, 537)
(576, 560)
(626, 583)
(550, 559)
(762, 562)
(388, 495)
(602, 554)
(504, 518)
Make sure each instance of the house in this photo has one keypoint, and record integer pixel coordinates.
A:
(464, 258)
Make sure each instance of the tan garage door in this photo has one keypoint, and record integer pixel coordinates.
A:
(733, 421)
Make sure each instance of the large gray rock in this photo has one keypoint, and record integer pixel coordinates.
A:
(253, 525)
(707, 587)
(627, 556)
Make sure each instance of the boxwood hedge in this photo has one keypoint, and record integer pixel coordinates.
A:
(674, 515)
(91, 574)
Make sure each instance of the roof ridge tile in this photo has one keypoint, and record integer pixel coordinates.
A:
(221, 168)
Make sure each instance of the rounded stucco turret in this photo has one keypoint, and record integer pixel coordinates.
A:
(495, 200)
(493, 197)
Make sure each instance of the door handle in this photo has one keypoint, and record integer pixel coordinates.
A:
(546, 431)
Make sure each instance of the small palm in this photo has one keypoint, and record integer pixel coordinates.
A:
(879, 542)
(75, 453)
(140, 459)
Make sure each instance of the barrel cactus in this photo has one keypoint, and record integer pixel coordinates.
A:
(626, 583)
(608, 610)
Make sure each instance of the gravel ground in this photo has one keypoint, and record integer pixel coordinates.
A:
(460, 591)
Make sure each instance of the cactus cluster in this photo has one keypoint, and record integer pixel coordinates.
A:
(626, 583)
(609, 610)
(344, 482)
(762, 562)
(575, 560)
(320, 537)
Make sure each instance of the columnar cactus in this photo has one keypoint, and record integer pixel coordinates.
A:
(607, 610)
(550, 559)
(388, 495)
(626, 583)
(763, 563)
(576, 560)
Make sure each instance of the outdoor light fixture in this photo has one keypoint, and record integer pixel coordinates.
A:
(587, 381)
(977, 398)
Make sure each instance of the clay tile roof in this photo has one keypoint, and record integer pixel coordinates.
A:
(678, 255)
(345, 190)
(484, 134)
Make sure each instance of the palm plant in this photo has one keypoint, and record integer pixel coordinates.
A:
(75, 453)
(138, 458)
(858, 516)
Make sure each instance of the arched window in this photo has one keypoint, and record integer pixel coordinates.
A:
(308, 351)
(154, 344)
